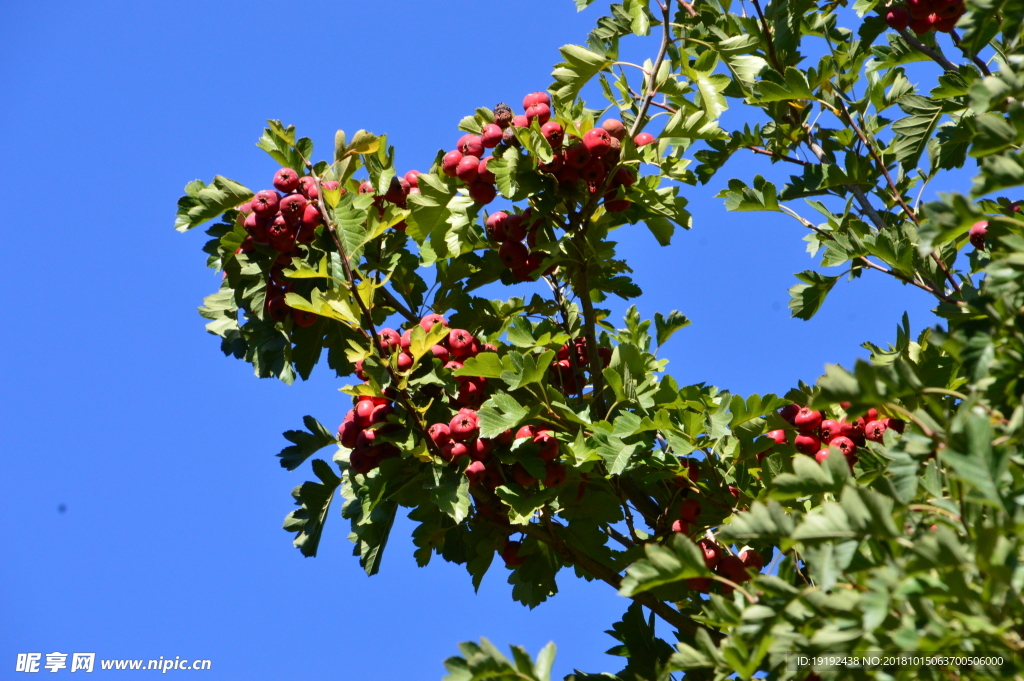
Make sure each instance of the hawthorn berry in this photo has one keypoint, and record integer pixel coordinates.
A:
(303, 318)
(471, 145)
(536, 98)
(540, 112)
(513, 254)
(576, 155)
(468, 168)
(807, 420)
(752, 560)
(875, 430)
(450, 163)
(689, 510)
(712, 553)
(807, 443)
(292, 207)
(553, 133)
(554, 474)
(897, 18)
(502, 115)
(464, 426)
(277, 308)
(439, 433)
(643, 139)
(427, 323)
(389, 339)
(483, 172)
(453, 450)
(830, 429)
(495, 226)
(789, 412)
(286, 180)
(265, 202)
(510, 554)
(482, 192)
(977, 234)
(597, 141)
(307, 186)
(460, 342)
(490, 136)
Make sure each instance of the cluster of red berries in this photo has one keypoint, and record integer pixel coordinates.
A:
(282, 218)
(732, 567)
(397, 194)
(922, 16)
(461, 437)
(509, 230)
(360, 429)
(566, 372)
(816, 432)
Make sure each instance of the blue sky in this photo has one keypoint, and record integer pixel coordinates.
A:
(116, 404)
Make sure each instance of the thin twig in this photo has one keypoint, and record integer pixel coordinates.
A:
(775, 154)
(935, 55)
(978, 61)
(772, 57)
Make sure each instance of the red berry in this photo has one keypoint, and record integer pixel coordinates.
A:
(476, 472)
(364, 411)
(779, 436)
(822, 455)
(752, 560)
(440, 352)
(510, 554)
(807, 443)
(479, 448)
(920, 26)
(624, 176)
(483, 172)
(303, 318)
(515, 227)
(405, 361)
(490, 137)
(521, 476)
(554, 474)
(700, 584)
(495, 226)
(440, 434)
(977, 234)
(468, 168)
(681, 526)
(789, 412)
(397, 191)
(286, 180)
(894, 424)
(413, 178)
(643, 139)
(830, 429)
(536, 98)
(482, 192)
(577, 155)
(265, 202)
(427, 323)
(292, 207)
(598, 141)
(465, 425)
(460, 342)
(732, 568)
(553, 133)
(594, 172)
(520, 121)
(389, 339)
(453, 450)
(689, 510)
(348, 432)
(548, 445)
(875, 430)
(845, 445)
(311, 216)
(450, 162)
(541, 112)
(712, 553)
(567, 177)
(471, 145)
(307, 185)
(807, 420)
(616, 205)
(897, 18)
(513, 254)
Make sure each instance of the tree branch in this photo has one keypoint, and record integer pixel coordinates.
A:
(777, 155)
(978, 61)
(772, 57)
(936, 56)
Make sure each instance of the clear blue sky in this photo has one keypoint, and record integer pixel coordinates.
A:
(116, 403)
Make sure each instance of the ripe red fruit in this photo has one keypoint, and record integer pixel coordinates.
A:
(440, 352)
(495, 226)
(567, 177)
(598, 141)
(406, 340)
(348, 432)
(450, 162)
(616, 205)
(897, 18)
(364, 410)
(480, 448)
(476, 472)
(380, 413)
(292, 207)
(681, 526)
(807, 443)
(519, 121)
(594, 172)
(521, 476)
(977, 234)
(460, 342)
(453, 365)
(470, 145)
(311, 216)
(525, 431)
(389, 339)
(789, 412)
(303, 318)
(362, 462)
(712, 553)
(615, 128)
(265, 202)
(510, 554)
(540, 112)
(830, 429)
(845, 445)
(286, 180)
(439, 433)
(468, 168)
(256, 226)
(643, 139)
(920, 26)
(553, 133)
(554, 474)
(854, 431)
(732, 568)
(453, 450)
(895, 424)
(281, 236)
(752, 560)
(779, 436)
(822, 455)
(465, 425)
(735, 492)
(427, 323)
(397, 191)
(624, 176)
(807, 420)
(513, 254)
(482, 192)
(548, 445)
(307, 185)
(576, 155)
(413, 178)
(515, 227)
(553, 166)
(490, 136)
(689, 510)
(405, 361)
(700, 584)
(875, 430)
(483, 173)
(366, 187)
(536, 98)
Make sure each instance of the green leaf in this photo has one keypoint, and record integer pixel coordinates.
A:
(668, 326)
(678, 559)
(429, 208)
(794, 87)
(202, 202)
(914, 131)
(451, 494)
(806, 299)
(521, 370)
(500, 413)
(980, 467)
(314, 500)
(305, 443)
(740, 197)
(486, 364)
(580, 66)
(767, 523)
